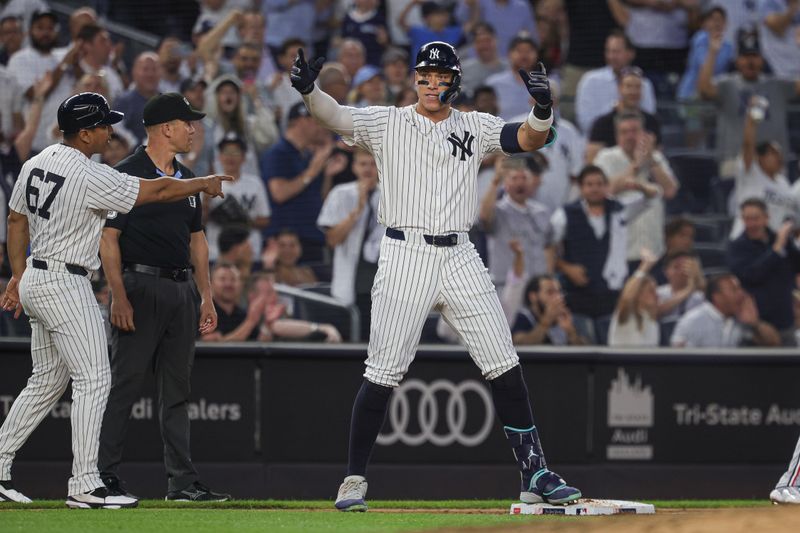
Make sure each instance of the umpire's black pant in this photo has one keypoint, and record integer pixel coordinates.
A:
(165, 315)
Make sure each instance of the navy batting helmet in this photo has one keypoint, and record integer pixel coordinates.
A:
(438, 54)
(84, 111)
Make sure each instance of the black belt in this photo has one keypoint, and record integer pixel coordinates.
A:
(450, 239)
(175, 274)
(72, 269)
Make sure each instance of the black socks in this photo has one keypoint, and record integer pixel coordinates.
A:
(369, 411)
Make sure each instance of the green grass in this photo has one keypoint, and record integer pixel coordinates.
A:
(280, 515)
(211, 520)
(499, 505)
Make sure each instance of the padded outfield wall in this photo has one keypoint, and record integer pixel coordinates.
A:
(271, 421)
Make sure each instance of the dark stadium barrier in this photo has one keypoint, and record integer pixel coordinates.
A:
(272, 421)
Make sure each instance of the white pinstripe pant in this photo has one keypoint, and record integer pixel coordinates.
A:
(68, 341)
(414, 277)
(791, 478)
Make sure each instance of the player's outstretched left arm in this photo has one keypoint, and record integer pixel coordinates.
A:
(18, 239)
(321, 105)
(532, 134)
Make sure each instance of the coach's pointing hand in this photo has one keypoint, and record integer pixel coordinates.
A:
(214, 185)
(538, 85)
(304, 74)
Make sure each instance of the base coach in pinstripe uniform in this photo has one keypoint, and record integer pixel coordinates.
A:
(59, 205)
(150, 256)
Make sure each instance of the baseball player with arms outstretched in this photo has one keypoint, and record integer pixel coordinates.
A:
(428, 155)
(59, 206)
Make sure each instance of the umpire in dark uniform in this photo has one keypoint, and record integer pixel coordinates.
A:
(149, 257)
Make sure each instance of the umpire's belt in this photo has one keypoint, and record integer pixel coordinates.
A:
(175, 274)
(451, 239)
(72, 269)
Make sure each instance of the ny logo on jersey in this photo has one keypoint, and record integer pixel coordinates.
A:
(465, 144)
(192, 201)
(434, 53)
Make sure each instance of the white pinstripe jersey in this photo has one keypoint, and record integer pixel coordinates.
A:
(66, 197)
(428, 171)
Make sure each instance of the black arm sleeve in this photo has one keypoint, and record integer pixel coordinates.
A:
(508, 138)
(509, 141)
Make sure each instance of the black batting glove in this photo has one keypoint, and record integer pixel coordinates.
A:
(538, 87)
(304, 74)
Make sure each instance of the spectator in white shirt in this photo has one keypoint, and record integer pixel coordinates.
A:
(682, 292)
(597, 90)
(24, 9)
(635, 159)
(349, 220)
(780, 36)
(11, 37)
(635, 319)
(246, 190)
(95, 52)
(759, 174)
(11, 118)
(516, 216)
(659, 30)
(727, 320)
(212, 12)
(30, 64)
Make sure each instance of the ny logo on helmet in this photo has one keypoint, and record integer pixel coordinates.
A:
(465, 144)
(434, 53)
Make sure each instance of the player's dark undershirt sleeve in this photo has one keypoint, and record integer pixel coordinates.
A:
(510, 142)
(508, 138)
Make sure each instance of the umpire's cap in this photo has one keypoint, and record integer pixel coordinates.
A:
(438, 54)
(170, 106)
(84, 111)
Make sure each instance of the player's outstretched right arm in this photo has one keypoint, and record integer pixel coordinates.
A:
(321, 105)
(170, 189)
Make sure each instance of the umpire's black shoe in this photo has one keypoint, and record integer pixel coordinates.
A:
(116, 486)
(196, 492)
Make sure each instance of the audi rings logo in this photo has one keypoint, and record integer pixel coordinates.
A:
(428, 414)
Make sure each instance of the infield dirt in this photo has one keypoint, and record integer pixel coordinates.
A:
(755, 520)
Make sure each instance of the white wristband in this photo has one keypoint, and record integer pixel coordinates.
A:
(538, 124)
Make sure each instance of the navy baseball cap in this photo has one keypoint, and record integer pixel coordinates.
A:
(169, 106)
(298, 110)
(748, 42)
(84, 111)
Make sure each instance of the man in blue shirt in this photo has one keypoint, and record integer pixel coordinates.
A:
(437, 25)
(295, 172)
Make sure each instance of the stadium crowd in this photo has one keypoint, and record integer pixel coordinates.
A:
(648, 222)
